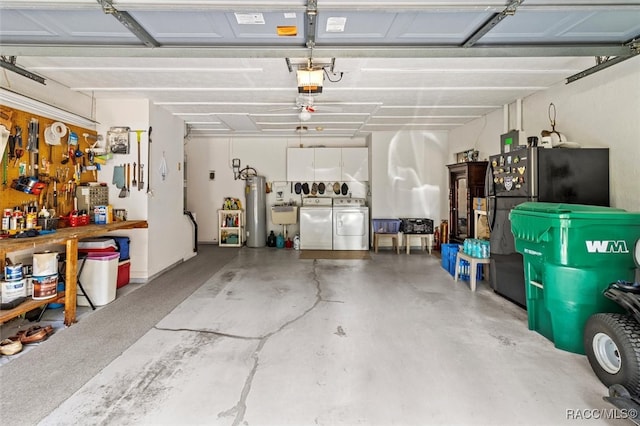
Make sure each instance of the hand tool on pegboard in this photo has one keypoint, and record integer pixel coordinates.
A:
(32, 146)
(140, 166)
(5, 161)
(123, 190)
(18, 145)
(149, 163)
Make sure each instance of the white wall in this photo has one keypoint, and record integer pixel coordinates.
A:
(601, 110)
(267, 155)
(170, 235)
(133, 113)
(168, 239)
(409, 177)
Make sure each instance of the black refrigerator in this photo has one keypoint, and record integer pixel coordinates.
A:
(555, 175)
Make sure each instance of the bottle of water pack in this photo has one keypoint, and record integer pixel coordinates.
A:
(476, 248)
(485, 249)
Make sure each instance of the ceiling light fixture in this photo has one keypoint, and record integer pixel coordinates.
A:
(304, 115)
(310, 80)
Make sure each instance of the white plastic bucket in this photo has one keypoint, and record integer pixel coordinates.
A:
(12, 290)
(99, 278)
(45, 263)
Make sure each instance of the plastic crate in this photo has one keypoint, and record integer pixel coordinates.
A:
(445, 251)
(417, 226)
(463, 274)
(123, 244)
(124, 273)
(449, 253)
(386, 226)
(97, 245)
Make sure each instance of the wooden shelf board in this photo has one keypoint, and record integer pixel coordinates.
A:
(28, 305)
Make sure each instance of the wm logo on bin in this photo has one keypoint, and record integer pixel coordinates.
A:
(607, 246)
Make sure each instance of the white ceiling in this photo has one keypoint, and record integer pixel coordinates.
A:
(220, 65)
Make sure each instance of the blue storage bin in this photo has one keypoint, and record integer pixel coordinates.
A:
(449, 253)
(464, 270)
(445, 251)
(123, 246)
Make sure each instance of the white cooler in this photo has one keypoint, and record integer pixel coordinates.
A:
(99, 278)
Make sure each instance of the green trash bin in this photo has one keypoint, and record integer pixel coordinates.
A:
(571, 253)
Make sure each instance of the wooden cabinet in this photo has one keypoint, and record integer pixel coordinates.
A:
(466, 181)
(328, 164)
(231, 228)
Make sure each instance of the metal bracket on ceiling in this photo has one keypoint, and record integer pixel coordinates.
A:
(129, 22)
(310, 23)
(603, 62)
(510, 10)
(9, 63)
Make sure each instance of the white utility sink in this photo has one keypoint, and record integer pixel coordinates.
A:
(284, 215)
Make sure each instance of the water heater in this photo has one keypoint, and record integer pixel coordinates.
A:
(256, 213)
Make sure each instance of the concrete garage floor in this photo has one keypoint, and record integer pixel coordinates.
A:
(274, 340)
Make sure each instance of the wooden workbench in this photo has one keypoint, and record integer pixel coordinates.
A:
(68, 237)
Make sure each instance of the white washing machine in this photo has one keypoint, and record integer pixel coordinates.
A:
(350, 224)
(316, 222)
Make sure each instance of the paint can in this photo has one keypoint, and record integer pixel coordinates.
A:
(45, 263)
(29, 286)
(13, 272)
(12, 290)
(45, 286)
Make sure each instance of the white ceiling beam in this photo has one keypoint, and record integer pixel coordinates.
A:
(381, 51)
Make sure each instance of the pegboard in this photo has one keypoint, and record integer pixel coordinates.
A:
(50, 165)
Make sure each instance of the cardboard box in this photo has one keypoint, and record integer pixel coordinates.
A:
(483, 228)
(100, 215)
(480, 204)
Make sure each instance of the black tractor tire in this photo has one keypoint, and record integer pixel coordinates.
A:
(612, 345)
